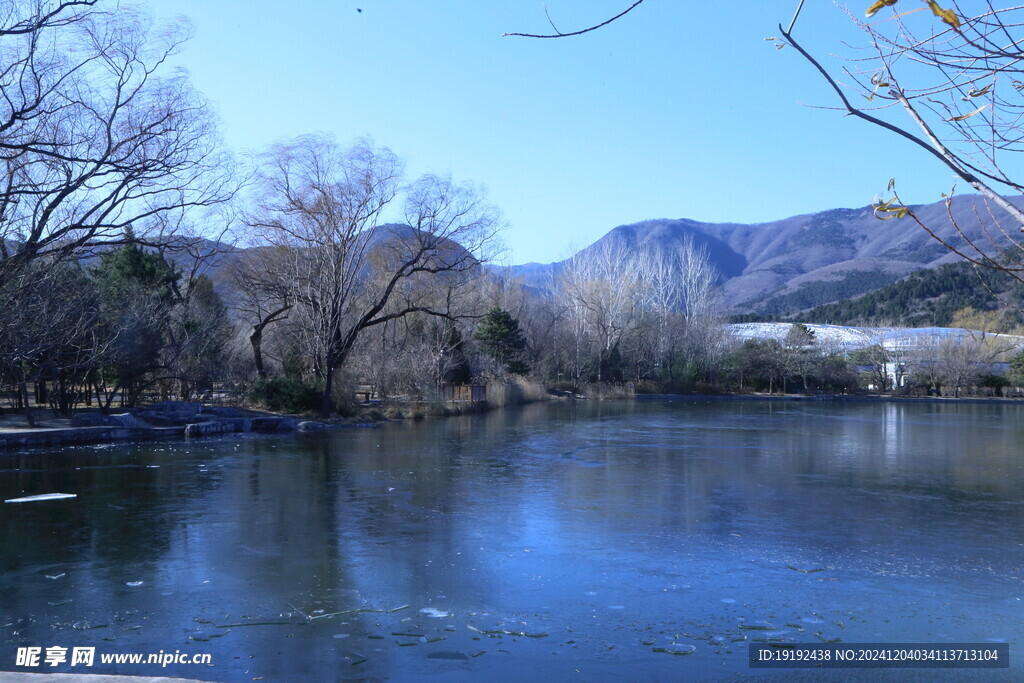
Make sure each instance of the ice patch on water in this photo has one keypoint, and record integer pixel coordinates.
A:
(42, 496)
(434, 613)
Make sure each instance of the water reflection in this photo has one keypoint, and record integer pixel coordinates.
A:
(551, 538)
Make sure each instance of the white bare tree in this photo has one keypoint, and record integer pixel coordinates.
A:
(602, 290)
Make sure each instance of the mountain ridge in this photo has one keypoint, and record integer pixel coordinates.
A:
(803, 261)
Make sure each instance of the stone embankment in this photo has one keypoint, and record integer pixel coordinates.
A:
(170, 419)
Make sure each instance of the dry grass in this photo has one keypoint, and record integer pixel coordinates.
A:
(608, 390)
(514, 390)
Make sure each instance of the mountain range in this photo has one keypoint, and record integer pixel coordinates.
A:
(804, 261)
(786, 268)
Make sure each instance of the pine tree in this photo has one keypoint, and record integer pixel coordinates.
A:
(137, 291)
(501, 338)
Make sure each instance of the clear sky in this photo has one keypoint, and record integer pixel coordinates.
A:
(678, 110)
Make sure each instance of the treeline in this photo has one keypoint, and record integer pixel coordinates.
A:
(103, 334)
(610, 316)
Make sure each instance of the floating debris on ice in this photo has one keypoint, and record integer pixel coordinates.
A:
(42, 496)
(434, 613)
(757, 626)
(340, 636)
(676, 649)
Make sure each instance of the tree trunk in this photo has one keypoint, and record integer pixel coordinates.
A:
(63, 396)
(326, 403)
(29, 417)
(99, 394)
(256, 339)
(105, 406)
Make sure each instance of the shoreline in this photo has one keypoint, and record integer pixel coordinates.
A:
(177, 420)
(205, 421)
(166, 421)
(835, 398)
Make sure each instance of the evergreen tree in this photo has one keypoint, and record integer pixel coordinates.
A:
(501, 338)
(137, 292)
(199, 336)
(1016, 372)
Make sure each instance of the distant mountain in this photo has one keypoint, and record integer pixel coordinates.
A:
(795, 268)
(218, 257)
(804, 261)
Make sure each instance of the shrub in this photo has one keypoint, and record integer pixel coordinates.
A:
(993, 381)
(285, 394)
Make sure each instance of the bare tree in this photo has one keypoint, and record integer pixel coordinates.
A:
(49, 331)
(947, 80)
(601, 287)
(954, 360)
(694, 303)
(262, 294)
(323, 206)
(93, 139)
(802, 355)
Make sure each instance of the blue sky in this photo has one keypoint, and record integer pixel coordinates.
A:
(678, 110)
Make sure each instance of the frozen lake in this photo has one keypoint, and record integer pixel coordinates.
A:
(582, 541)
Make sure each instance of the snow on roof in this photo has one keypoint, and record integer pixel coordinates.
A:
(851, 338)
